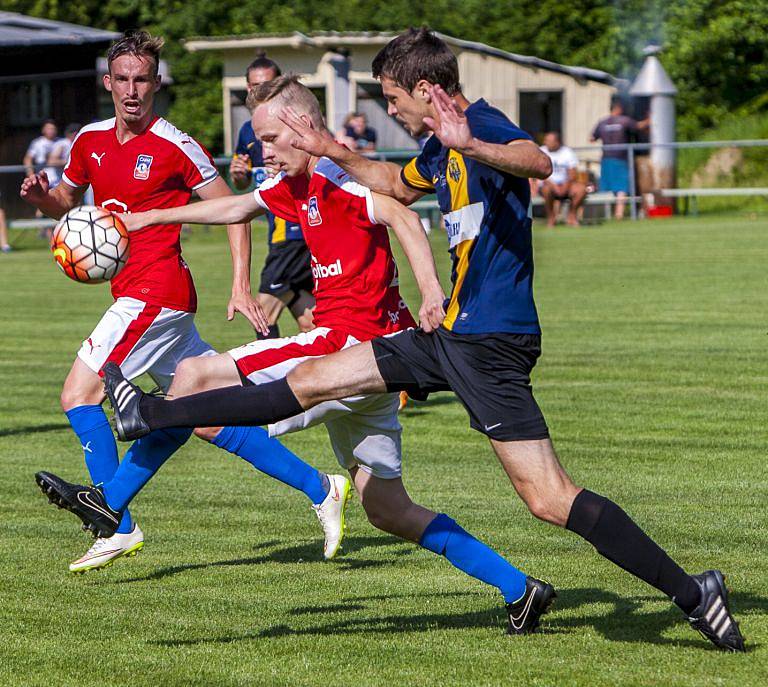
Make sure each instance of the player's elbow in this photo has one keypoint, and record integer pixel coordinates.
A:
(542, 167)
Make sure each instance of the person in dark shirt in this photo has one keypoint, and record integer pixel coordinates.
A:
(614, 168)
(356, 134)
(286, 278)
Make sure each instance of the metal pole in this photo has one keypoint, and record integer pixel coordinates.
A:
(632, 188)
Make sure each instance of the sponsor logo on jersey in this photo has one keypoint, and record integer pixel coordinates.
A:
(313, 213)
(321, 271)
(143, 164)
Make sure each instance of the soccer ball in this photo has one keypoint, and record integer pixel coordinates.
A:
(90, 244)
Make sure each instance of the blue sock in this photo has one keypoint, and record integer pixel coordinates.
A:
(142, 460)
(445, 538)
(272, 458)
(92, 428)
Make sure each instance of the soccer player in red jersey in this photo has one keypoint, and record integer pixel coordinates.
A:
(357, 299)
(138, 161)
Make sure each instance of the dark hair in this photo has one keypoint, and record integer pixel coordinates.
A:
(139, 43)
(616, 101)
(415, 55)
(263, 62)
(72, 128)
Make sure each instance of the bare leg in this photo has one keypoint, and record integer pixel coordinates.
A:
(621, 199)
(548, 193)
(302, 308)
(578, 192)
(4, 245)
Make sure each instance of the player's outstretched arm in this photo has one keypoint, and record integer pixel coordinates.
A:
(410, 233)
(239, 236)
(53, 203)
(226, 210)
(380, 177)
(522, 158)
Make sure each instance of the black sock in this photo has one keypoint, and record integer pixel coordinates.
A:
(616, 536)
(260, 404)
(274, 333)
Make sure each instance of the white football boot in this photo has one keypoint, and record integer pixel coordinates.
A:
(106, 550)
(330, 513)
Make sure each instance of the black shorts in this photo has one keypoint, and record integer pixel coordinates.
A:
(287, 268)
(490, 373)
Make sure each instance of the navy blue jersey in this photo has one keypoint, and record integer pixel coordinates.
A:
(487, 217)
(247, 144)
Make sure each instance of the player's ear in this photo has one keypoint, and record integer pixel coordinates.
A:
(107, 81)
(158, 80)
(421, 91)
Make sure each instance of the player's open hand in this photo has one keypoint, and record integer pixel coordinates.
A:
(431, 312)
(451, 125)
(35, 188)
(249, 308)
(306, 138)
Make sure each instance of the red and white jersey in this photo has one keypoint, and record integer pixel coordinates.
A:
(356, 286)
(159, 168)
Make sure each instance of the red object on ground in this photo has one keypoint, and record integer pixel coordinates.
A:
(660, 211)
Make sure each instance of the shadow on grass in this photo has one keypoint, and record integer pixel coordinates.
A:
(34, 429)
(310, 552)
(625, 622)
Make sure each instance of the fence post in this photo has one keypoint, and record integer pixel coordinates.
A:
(632, 185)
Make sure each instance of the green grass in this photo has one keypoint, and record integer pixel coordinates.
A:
(653, 380)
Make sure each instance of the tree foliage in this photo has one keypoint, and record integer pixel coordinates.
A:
(716, 51)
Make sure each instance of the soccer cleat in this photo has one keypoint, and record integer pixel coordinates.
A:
(87, 503)
(106, 550)
(330, 513)
(712, 618)
(124, 398)
(403, 401)
(525, 613)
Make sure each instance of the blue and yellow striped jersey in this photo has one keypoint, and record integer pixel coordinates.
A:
(487, 217)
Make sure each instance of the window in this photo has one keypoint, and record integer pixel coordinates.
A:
(541, 111)
(30, 103)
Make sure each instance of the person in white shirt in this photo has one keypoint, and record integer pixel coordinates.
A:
(562, 184)
(37, 154)
(59, 154)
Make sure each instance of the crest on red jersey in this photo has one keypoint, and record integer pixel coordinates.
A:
(141, 170)
(313, 212)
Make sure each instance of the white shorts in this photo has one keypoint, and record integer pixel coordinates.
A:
(364, 430)
(141, 337)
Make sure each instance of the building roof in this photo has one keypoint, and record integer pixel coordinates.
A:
(20, 30)
(340, 39)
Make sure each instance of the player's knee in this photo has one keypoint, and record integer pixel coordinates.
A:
(72, 397)
(207, 433)
(189, 375)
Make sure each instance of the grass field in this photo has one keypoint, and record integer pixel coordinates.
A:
(653, 380)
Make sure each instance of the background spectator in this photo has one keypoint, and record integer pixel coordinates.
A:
(614, 168)
(60, 152)
(562, 184)
(356, 134)
(5, 247)
(247, 157)
(39, 150)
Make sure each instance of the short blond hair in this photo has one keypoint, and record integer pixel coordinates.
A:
(287, 90)
(138, 43)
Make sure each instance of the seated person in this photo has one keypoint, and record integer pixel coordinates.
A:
(562, 184)
(356, 134)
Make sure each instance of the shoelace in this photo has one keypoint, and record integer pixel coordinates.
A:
(98, 545)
